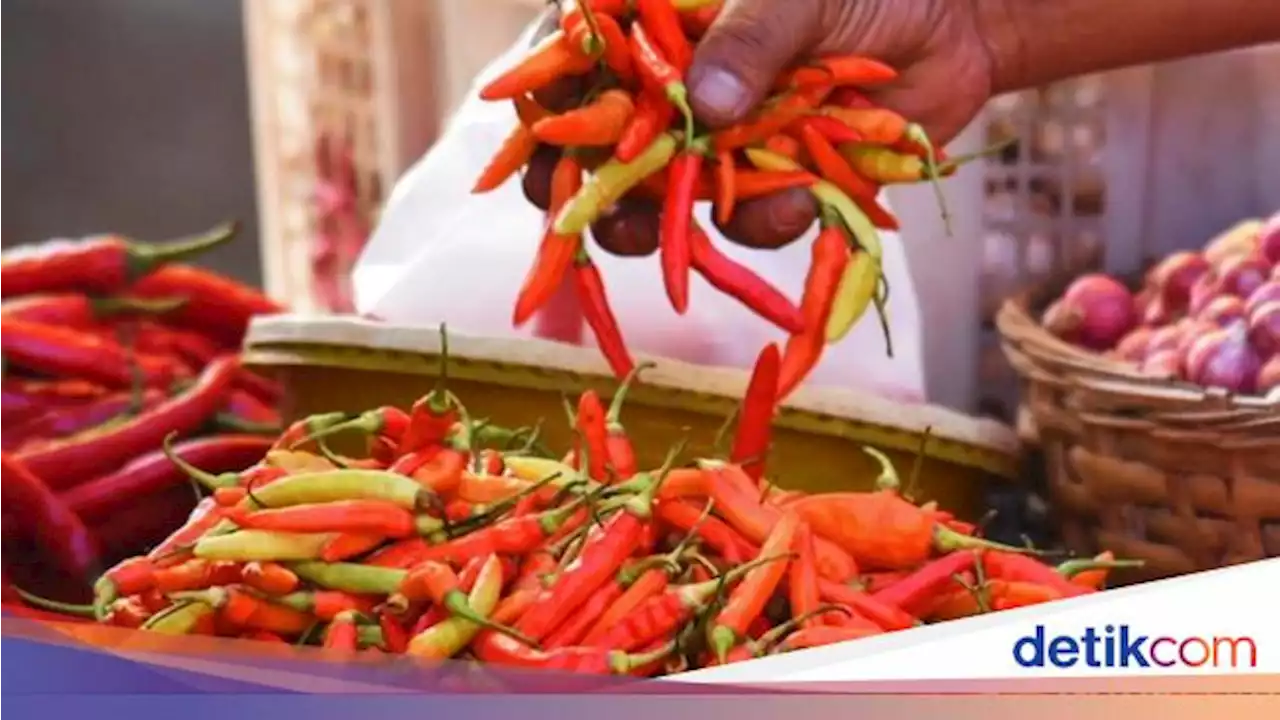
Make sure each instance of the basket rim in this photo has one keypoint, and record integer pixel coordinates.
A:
(1081, 368)
(290, 339)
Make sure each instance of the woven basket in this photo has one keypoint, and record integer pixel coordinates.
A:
(1183, 477)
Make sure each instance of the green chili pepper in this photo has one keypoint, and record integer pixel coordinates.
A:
(336, 485)
(179, 619)
(611, 181)
(250, 545)
(351, 577)
(448, 638)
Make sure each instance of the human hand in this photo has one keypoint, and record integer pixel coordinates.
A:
(937, 46)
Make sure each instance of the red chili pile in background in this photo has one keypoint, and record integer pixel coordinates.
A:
(110, 345)
(456, 537)
(1211, 317)
(635, 135)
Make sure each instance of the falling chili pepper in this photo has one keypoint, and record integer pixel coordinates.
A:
(755, 421)
(599, 316)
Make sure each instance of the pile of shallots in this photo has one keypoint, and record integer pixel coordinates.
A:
(1210, 317)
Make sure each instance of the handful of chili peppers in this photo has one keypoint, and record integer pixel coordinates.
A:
(453, 537)
(110, 345)
(635, 134)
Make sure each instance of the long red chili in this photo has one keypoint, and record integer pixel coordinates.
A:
(724, 540)
(660, 19)
(215, 305)
(62, 422)
(913, 592)
(755, 421)
(61, 351)
(73, 461)
(101, 265)
(677, 217)
(48, 519)
(803, 350)
(595, 308)
(741, 283)
(592, 429)
(621, 453)
(652, 116)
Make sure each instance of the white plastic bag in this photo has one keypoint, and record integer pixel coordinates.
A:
(443, 254)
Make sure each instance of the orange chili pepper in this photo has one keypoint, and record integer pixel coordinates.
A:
(270, 578)
(726, 173)
(751, 184)
(556, 252)
(802, 585)
(349, 545)
(783, 145)
(832, 166)
(770, 120)
(601, 122)
(553, 58)
(748, 599)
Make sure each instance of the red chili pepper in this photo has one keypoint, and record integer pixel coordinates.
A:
(832, 165)
(888, 617)
(603, 553)
(101, 265)
(350, 544)
(802, 579)
(748, 599)
(177, 546)
(820, 635)
(660, 19)
(395, 638)
(216, 305)
(375, 517)
(1011, 567)
(914, 591)
(24, 398)
(433, 416)
(342, 634)
(621, 453)
(154, 472)
(596, 310)
(500, 649)
(677, 217)
(47, 519)
(80, 312)
(741, 283)
(652, 116)
(598, 33)
(659, 73)
(67, 421)
(726, 195)
(698, 21)
(438, 583)
(770, 120)
(196, 574)
(591, 425)
(325, 605)
(755, 421)
(74, 461)
(514, 153)
(834, 131)
(68, 352)
(724, 540)
(553, 58)
(313, 425)
(511, 536)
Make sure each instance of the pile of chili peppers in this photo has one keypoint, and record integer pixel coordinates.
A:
(109, 345)
(455, 537)
(635, 134)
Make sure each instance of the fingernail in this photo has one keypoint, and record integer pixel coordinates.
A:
(719, 95)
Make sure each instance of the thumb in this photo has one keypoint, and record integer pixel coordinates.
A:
(745, 48)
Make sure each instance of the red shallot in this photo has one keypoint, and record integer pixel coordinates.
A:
(1174, 276)
(1242, 274)
(1133, 347)
(1269, 241)
(1224, 358)
(1165, 364)
(1269, 375)
(1223, 310)
(1264, 329)
(1267, 292)
(1096, 311)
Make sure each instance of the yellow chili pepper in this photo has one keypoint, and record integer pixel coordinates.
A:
(856, 291)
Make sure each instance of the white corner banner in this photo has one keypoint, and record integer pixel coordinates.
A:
(1216, 622)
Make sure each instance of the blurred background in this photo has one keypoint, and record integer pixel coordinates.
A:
(156, 118)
